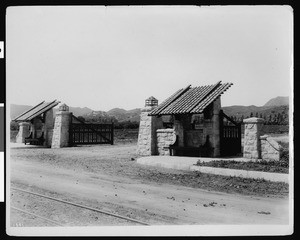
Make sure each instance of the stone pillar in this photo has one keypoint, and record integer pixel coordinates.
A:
(253, 131)
(48, 127)
(215, 140)
(24, 131)
(147, 141)
(60, 136)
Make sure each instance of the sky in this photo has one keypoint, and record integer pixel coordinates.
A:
(107, 57)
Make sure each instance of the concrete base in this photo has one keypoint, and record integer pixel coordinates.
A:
(175, 162)
(188, 163)
(274, 177)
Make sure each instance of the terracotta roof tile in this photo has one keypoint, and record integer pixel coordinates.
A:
(190, 100)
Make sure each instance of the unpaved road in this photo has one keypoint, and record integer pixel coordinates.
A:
(154, 203)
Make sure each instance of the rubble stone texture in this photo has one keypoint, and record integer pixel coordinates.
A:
(147, 132)
(60, 136)
(253, 131)
(165, 137)
(269, 149)
(24, 131)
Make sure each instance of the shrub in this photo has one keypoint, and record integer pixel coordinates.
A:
(284, 153)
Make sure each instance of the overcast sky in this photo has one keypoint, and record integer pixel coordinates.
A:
(107, 57)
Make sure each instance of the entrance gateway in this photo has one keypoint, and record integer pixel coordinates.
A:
(40, 126)
(189, 123)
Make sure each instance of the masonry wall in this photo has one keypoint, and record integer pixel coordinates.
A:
(270, 149)
(60, 136)
(165, 137)
(259, 146)
(209, 127)
(253, 131)
(147, 142)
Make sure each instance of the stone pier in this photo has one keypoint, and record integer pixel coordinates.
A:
(253, 131)
(24, 131)
(60, 136)
(147, 141)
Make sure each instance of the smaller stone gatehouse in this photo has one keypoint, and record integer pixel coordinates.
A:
(39, 126)
(37, 123)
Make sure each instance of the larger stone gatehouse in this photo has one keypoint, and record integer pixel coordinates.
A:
(187, 123)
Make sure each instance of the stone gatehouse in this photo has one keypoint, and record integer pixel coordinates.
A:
(39, 126)
(189, 120)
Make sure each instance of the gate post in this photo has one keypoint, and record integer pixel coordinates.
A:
(61, 127)
(147, 142)
(253, 131)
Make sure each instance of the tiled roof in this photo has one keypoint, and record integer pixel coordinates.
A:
(190, 100)
(36, 110)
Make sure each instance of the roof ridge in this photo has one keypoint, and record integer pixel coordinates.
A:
(220, 90)
(165, 103)
(214, 86)
(41, 110)
(28, 110)
(44, 105)
(192, 100)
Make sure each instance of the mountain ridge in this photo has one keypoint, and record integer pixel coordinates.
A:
(277, 101)
(273, 106)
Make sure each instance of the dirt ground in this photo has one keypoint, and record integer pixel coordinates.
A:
(107, 177)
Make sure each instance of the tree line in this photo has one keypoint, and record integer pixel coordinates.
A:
(270, 119)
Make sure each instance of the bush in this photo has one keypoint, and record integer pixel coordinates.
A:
(14, 126)
(284, 156)
(284, 153)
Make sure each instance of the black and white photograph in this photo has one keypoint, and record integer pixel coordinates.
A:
(149, 120)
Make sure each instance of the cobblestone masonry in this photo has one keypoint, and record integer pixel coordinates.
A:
(147, 132)
(165, 137)
(24, 131)
(269, 149)
(60, 136)
(253, 131)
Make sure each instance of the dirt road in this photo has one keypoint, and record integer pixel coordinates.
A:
(154, 203)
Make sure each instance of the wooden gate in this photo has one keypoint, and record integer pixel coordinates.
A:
(230, 136)
(90, 133)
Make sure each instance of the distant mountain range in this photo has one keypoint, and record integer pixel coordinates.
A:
(16, 110)
(273, 106)
(278, 101)
(116, 114)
